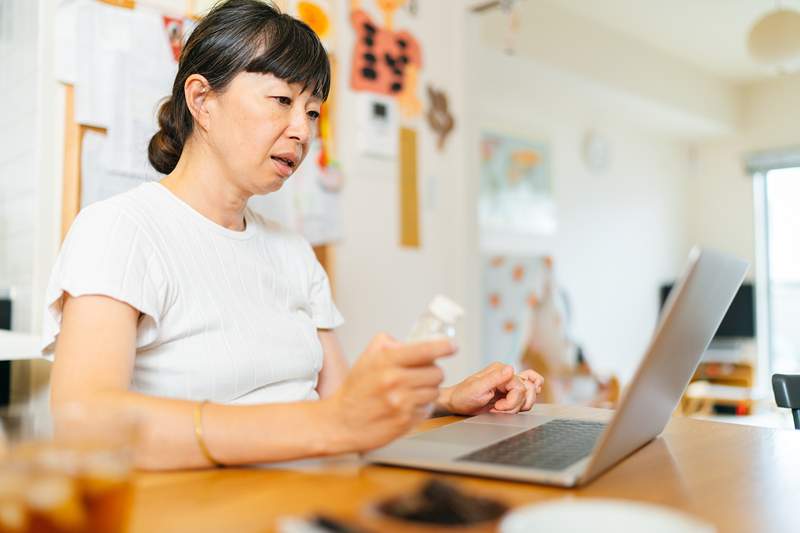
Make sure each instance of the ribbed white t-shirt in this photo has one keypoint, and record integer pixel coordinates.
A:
(228, 316)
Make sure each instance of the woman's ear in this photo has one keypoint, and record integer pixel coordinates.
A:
(197, 90)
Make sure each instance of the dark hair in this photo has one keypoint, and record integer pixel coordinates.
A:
(238, 36)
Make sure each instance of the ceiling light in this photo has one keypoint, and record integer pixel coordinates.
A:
(774, 39)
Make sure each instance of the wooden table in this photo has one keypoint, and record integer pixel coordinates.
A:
(737, 477)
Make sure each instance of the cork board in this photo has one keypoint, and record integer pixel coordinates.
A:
(409, 194)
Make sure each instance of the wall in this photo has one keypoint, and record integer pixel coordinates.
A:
(382, 286)
(621, 233)
(672, 94)
(19, 153)
(722, 208)
(721, 192)
(26, 208)
(679, 137)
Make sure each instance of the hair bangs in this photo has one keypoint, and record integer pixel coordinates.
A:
(294, 53)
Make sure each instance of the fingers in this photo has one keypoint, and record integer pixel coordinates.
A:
(382, 341)
(416, 404)
(400, 378)
(513, 401)
(491, 368)
(534, 377)
(425, 376)
(411, 387)
(423, 412)
(522, 389)
(495, 375)
(530, 394)
(421, 353)
(422, 397)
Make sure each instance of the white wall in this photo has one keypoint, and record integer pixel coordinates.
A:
(679, 137)
(19, 153)
(721, 196)
(672, 94)
(49, 164)
(621, 233)
(382, 286)
(721, 192)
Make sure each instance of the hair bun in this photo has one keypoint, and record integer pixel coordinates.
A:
(166, 145)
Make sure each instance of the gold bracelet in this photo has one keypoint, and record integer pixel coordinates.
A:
(198, 433)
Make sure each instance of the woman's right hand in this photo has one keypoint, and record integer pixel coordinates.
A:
(391, 387)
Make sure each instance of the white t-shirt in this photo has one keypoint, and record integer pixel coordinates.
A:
(229, 316)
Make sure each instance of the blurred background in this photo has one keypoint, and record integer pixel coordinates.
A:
(548, 164)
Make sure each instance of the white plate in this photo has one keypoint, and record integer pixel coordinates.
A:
(600, 516)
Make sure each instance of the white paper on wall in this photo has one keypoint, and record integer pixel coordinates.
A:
(121, 81)
(103, 32)
(143, 77)
(65, 38)
(97, 181)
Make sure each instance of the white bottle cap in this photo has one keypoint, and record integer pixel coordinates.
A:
(445, 309)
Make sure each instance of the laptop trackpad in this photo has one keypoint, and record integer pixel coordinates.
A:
(473, 435)
(523, 420)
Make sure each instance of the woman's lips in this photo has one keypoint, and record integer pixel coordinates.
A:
(284, 168)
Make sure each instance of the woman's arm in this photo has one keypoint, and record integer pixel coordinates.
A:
(94, 364)
(334, 364)
(389, 385)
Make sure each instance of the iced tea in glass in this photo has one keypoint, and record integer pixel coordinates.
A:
(74, 478)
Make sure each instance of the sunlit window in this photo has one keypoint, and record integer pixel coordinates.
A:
(782, 231)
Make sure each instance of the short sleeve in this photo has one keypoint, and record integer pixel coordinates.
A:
(324, 313)
(107, 253)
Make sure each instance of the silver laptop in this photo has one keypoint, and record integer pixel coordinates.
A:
(571, 452)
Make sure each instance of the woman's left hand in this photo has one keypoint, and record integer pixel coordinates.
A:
(495, 389)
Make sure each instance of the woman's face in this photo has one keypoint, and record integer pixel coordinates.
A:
(260, 128)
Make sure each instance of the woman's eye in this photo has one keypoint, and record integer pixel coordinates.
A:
(284, 100)
(314, 115)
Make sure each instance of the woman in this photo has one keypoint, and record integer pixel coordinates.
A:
(175, 293)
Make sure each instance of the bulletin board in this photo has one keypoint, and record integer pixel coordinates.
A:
(74, 134)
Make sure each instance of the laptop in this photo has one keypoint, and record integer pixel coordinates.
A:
(571, 452)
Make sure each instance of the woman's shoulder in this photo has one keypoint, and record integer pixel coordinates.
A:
(126, 202)
(126, 213)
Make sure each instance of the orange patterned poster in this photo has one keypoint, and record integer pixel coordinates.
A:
(385, 60)
(510, 284)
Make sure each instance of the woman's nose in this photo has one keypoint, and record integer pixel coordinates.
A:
(300, 128)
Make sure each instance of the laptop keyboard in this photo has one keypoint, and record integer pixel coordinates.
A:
(551, 446)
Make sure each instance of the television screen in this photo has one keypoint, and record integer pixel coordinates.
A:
(5, 366)
(739, 321)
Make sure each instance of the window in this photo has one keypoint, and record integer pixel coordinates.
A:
(777, 197)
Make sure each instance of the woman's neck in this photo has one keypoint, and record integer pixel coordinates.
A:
(200, 180)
